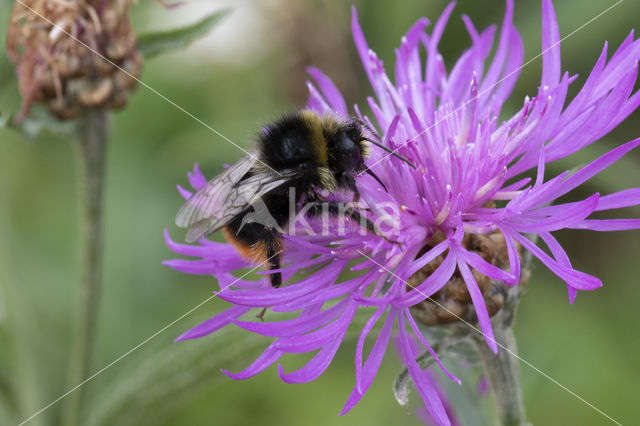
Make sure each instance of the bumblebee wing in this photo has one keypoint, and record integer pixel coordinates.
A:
(225, 197)
(213, 195)
(240, 199)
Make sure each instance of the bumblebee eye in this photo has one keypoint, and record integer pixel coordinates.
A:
(345, 143)
(348, 152)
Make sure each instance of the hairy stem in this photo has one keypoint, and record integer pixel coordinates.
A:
(91, 149)
(502, 369)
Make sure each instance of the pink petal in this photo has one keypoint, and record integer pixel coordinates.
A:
(428, 347)
(428, 393)
(196, 179)
(265, 360)
(294, 326)
(550, 46)
(316, 366)
(330, 91)
(432, 284)
(372, 364)
(573, 277)
(215, 323)
(486, 268)
(478, 304)
(618, 200)
(608, 224)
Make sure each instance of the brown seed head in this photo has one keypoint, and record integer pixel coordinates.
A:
(46, 42)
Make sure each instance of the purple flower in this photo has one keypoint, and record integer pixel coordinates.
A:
(468, 183)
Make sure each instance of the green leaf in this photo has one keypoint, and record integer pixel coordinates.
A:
(154, 44)
(19, 390)
(38, 122)
(165, 376)
(162, 378)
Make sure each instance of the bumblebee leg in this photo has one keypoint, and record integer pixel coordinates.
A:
(348, 181)
(257, 243)
(356, 195)
(260, 316)
(273, 248)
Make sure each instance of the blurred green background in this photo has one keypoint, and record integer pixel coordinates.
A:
(250, 70)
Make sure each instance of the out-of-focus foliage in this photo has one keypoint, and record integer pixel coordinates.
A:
(38, 123)
(250, 70)
(154, 44)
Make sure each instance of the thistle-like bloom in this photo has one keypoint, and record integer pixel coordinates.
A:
(463, 215)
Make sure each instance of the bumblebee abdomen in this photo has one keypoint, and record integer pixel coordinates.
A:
(249, 251)
(259, 243)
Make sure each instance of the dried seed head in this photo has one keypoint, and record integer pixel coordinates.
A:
(453, 300)
(48, 41)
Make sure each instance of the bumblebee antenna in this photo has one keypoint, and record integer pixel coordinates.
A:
(366, 126)
(395, 154)
(379, 145)
(370, 173)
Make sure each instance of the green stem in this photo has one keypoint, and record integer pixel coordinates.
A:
(91, 148)
(502, 369)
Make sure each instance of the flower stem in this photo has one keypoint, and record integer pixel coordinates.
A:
(502, 369)
(91, 150)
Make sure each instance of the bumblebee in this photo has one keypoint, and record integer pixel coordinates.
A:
(303, 155)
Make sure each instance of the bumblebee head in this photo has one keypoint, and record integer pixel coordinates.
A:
(349, 149)
(341, 145)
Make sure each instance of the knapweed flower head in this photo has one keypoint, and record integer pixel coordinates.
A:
(462, 218)
(58, 48)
